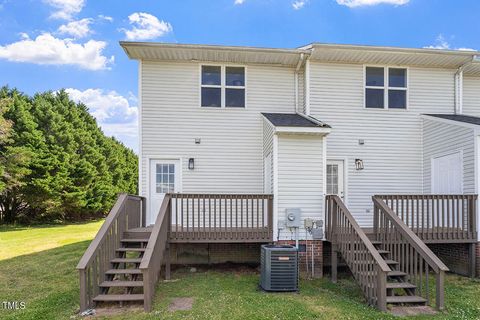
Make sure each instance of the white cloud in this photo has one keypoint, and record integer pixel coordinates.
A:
(298, 4)
(238, 2)
(146, 27)
(114, 113)
(46, 49)
(65, 9)
(24, 35)
(361, 3)
(104, 17)
(78, 29)
(442, 44)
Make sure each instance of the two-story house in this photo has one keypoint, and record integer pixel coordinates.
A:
(246, 144)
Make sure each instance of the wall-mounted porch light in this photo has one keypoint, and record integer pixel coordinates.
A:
(191, 163)
(359, 164)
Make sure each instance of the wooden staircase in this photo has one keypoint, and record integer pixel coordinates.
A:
(398, 289)
(392, 268)
(123, 262)
(124, 281)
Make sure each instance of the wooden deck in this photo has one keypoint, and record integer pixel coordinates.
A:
(226, 235)
(181, 234)
(437, 218)
(438, 235)
(221, 218)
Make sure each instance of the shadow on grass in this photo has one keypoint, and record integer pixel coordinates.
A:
(46, 281)
(21, 227)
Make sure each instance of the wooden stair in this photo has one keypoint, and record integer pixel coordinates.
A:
(124, 281)
(399, 290)
(399, 276)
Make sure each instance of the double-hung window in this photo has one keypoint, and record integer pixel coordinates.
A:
(385, 88)
(223, 86)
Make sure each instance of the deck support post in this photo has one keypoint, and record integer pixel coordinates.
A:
(167, 261)
(334, 263)
(472, 259)
(381, 290)
(440, 291)
(147, 291)
(83, 291)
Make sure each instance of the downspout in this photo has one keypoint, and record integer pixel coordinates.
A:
(297, 68)
(307, 87)
(459, 89)
(458, 79)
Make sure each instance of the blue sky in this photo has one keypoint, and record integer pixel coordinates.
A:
(73, 44)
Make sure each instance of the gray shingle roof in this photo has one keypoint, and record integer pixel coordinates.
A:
(457, 117)
(293, 120)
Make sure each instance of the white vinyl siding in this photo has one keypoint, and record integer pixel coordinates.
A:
(471, 96)
(442, 139)
(300, 177)
(392, 153)
(229, 158)
(268, 131)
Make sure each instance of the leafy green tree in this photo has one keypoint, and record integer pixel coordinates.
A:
(61, 165)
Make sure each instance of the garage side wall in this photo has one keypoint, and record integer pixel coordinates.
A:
(300, 178)
(440, 138)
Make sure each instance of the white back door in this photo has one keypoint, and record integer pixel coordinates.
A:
(335, 178)
(447, 174)
(164, 178)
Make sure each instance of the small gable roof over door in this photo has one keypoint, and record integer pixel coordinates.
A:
(295, 123)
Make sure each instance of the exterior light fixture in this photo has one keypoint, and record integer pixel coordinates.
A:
(191, 163)
(359, 164)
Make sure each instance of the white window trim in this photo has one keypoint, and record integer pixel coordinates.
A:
(386, 86)
(222, 86)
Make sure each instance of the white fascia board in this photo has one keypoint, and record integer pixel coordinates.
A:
(303, 130)
(451, 122)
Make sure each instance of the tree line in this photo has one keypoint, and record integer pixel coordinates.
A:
(56, 164)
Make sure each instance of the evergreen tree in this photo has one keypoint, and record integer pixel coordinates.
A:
(62, 165)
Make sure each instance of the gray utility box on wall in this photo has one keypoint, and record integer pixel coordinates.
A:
(279, 268)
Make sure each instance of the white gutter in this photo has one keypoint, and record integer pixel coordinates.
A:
(299, 65)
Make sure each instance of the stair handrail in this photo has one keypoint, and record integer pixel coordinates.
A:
(156, 251)
(435, 263)
(96, 259)
(413, 240)
(342, 235)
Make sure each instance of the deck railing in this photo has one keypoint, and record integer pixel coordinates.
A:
(415, 258)
(437, 218)
(156, 253)
(127, 213)
(221, 217)
(367, 266)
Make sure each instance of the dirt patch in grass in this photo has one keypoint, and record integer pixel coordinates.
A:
(181, 304)
(113, 311)
(412, 311)
(231, 268)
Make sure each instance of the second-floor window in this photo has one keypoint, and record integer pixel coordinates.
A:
(385, 88)
(223, 86)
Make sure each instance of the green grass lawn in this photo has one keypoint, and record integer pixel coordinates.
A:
(37, 265)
